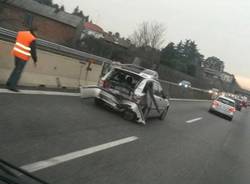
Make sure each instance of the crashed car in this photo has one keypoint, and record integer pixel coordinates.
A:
(124, 90)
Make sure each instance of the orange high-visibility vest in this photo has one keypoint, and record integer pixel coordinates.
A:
(22, 45)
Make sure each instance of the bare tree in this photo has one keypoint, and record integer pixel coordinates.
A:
(149, 34)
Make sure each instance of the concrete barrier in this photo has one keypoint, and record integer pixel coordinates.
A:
(53, 70)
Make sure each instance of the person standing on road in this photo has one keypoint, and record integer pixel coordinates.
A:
(24, 48)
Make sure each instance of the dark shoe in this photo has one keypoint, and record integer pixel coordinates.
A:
(13, 89)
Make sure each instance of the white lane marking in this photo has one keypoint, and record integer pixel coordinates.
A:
(77, 154)
(188, 100)
(38, 92)
(194, 120)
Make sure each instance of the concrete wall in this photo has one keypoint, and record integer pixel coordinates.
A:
(53, 70)
(175, 91)
(169, 74)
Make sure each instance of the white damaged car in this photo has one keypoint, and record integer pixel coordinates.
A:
(123, 89)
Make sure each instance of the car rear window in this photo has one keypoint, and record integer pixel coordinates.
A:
(225, 101)
(124, 79)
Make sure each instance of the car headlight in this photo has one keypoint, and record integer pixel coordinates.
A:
(186, 86)
(179, 84)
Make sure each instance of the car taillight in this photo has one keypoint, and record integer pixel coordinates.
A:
(215, 103)
(101, 83)
(104, 84)
(232, 109)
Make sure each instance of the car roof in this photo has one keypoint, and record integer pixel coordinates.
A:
(136, 72)
(150, 71)
(226, 98)
(126, 70)
(185, 81)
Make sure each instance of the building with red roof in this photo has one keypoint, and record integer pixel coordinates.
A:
(93, 30)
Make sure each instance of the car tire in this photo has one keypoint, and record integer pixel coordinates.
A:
(164, 114)
(230, 118)
(129, 115)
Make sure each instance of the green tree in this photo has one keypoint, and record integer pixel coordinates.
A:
(184, 57)
(51, 4)
(56, 6)
(62, 8)
(76, 10)
(117, 35)
(168, 54)
(45, 2)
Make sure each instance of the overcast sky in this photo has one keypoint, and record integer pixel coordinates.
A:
(221, 28)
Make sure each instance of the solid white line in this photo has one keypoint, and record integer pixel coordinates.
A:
(77, 154)
(38, 92)
(188, 100)
(194, 120)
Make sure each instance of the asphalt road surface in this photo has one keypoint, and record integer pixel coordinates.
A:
(190, 146)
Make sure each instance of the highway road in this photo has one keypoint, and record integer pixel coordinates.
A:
(79, 142)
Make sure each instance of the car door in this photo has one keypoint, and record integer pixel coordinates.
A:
(164, 103)
(158, 98)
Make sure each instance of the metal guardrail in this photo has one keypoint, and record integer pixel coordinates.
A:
(9, 35)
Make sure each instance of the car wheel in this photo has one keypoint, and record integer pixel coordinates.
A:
(230, 118)
(164, 114)
(129, 115)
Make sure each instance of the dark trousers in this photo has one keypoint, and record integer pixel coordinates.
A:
(16, 73)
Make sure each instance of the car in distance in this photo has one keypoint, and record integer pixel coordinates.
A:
(223, 105)
(244, 101)
(123, 89)
(238, 104)
(214, 93)
(185, 84)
